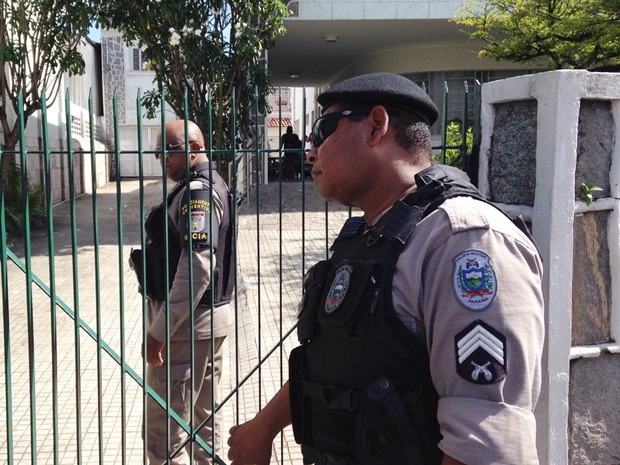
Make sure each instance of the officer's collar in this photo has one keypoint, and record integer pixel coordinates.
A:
(201, 166)
(382, 214)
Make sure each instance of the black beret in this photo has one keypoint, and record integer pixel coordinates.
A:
(382, 89)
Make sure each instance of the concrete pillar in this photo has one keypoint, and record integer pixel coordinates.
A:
(561, 129)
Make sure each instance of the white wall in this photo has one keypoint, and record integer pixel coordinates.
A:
(388, 9)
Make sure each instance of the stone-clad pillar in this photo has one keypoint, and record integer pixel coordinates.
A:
(113, 64)
(545, 135)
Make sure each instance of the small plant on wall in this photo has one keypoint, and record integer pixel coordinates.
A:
(585, 192)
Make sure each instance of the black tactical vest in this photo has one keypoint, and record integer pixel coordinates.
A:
(223, 277)
(360, 384)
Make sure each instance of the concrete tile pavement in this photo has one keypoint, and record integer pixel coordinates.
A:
(282, 229)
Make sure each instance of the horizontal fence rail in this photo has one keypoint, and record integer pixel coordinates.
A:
(74, 322)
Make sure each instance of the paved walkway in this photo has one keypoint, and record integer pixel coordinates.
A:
(282, 229)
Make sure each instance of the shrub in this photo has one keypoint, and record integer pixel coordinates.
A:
(13, 205)
(454, 138)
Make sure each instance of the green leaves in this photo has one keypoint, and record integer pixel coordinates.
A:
(39, 41)
(585, 192)
(562, 33)
(212, 48)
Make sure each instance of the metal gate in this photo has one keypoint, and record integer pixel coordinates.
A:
(72, 373)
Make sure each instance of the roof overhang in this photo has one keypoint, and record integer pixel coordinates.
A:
(314, 53)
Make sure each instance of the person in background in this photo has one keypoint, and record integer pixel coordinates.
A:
(291, 144)
(421, 336)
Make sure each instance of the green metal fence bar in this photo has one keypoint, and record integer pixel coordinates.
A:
(76, 298)
(281, 245)
(119, 213)
(258, 251)
(303, 186)
(476, 133)
(232, 183)
(93, 164)
(465, 126)
(164, 155)
(29, 306)
(444, 144)
(6, 320)
(142, 263)
(237, 384)
(51, 246)
(212, 286)
(190, 287)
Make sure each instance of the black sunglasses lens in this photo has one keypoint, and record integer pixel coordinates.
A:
(316, 133)
(323, 128)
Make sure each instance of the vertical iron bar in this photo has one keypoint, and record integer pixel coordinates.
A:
(51, 248)
(233, 131)
(233, 188)
(477, 133)
(258, 250)
(119, 213)
(445, 122)
(303, 192)
(281, 150)
(93, 173)
(326, 230)
(164, 155)
(143, 267)
(76, 299)
(280, 224)
(464, 126)
(211, 269)
(28, 253)
(187, 199)
(6, 321)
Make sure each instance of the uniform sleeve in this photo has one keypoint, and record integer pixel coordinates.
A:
(481, 307)
(179, 297)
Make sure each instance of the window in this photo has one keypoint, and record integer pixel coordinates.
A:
(138, 63)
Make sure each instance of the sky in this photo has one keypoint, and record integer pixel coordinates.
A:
(94, 34)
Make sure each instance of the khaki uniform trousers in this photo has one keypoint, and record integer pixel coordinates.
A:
(207, 373)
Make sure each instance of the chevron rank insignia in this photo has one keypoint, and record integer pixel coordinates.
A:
(480, 354)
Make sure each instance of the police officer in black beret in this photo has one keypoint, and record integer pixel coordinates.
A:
(421, 336)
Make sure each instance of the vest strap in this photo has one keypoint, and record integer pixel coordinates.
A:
(383, 390)
(332, 396)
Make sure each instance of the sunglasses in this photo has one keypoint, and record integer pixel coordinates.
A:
(325, 126)
(169, 148)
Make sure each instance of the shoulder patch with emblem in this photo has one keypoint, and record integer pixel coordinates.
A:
(338, 290)
(200, 218)
(480, 354)
(474, 281)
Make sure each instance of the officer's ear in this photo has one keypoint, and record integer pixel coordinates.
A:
(379, 120)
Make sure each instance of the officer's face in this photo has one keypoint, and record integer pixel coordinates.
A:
(338, 167)
(175, 159)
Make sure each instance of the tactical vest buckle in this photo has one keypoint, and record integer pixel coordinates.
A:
(336, 398)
